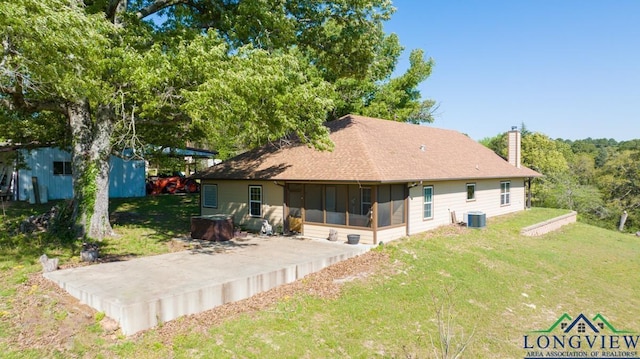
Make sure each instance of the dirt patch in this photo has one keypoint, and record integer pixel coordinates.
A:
(43, 316)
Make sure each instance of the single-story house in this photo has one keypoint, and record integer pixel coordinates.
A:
(383, 180)
(52, 168)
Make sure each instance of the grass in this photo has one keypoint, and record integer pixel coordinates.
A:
(145, 226)
(498, 284)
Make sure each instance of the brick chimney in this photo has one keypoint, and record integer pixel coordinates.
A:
(513, 144)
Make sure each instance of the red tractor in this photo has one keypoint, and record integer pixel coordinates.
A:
(172, 184)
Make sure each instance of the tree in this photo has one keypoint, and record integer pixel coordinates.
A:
(543, 154)
(498, 143)
(52, 65)
(233, 74)
(619, 181)
(582, 166)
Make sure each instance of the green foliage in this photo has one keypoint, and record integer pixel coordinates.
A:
(62, 228)
(629, 145)
(57, 46)
(88, 190)
(582, 166)
(42, 128)
(265, 70)
(99, 316)
(257, 97)
(544, 155)
(619, 180)
(565, 191)
(497, 143)
(398, 99)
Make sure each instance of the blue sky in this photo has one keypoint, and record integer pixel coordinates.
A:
(566, 68)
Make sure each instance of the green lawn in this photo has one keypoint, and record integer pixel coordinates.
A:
(492, 283)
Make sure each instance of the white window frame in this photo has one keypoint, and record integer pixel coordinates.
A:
(205, 195)
(425, 202)
(505, 193)
(473, 193)
(259, 188)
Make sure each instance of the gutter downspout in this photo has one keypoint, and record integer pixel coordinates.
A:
(374, 214)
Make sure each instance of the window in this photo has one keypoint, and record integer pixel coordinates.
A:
(428, 202)
(210, 195)
(582, 328)
(505, 193)
(255, 201)
(471, 191)
(61, 168)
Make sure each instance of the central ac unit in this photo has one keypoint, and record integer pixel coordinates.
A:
(476, 219)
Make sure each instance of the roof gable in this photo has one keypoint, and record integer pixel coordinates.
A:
(369, 149)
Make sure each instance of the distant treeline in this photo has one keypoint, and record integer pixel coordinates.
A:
(599, 178)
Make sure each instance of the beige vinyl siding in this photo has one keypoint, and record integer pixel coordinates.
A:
(233, 199)
(389, 234)
(440, 217)
(315, 231)
(451, 196)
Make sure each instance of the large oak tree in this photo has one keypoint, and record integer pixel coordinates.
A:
(104, 75)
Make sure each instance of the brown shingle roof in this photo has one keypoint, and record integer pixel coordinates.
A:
(369, 149)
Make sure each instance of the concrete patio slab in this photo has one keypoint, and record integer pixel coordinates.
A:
(143, 292)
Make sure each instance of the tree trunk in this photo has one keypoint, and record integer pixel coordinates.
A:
(623, 219)
(90, 169)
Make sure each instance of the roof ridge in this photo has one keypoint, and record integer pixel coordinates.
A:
(371, 161)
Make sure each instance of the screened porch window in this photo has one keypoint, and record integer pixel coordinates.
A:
(390, 205)
(335, 199)
(313, 203)
(359, 206)
(352, 204)
(333, 202)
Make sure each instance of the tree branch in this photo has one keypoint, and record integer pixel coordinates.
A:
(112, 8)
(15, 101)
(157, 6)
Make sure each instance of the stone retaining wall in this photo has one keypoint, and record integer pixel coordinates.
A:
(552, 224)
